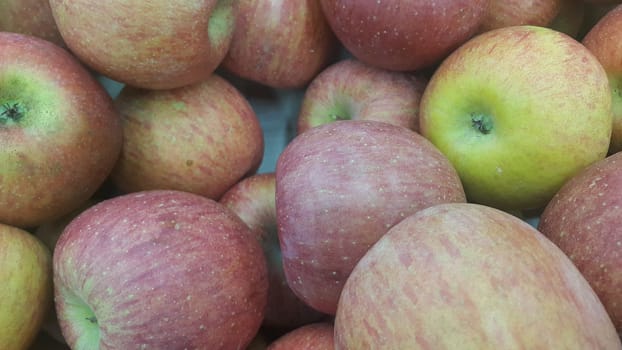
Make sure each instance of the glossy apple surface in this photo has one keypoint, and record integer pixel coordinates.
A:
(159, 270)
(149, 44)
(201, 138)
(403, 35)
(467, 276)
(350, 89)
(516, 135)
(340, 187)
(584, 220)
(60, 134)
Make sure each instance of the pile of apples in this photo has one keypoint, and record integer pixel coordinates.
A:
(452, 179)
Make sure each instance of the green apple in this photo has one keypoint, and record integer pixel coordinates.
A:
(26, 288)
(518, 111)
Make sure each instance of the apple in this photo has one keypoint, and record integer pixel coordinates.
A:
(201, 138)
(468, 276)
(404, 36)
(61, 134)
(26, 290)
(148, 44)
(253, 200)
(350, 89)
(159, 270)
(30, 17)
(570, 17)
(516, 135)
(506, 13)
(339, 187)
(281, 44)
(314, 336)
(604, 40)
(583, 219)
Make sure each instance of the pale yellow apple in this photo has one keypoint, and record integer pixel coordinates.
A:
(26, 288)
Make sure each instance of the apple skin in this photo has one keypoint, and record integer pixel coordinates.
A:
(570, 17)
(468, 276)
(516, 135)
(583, 219)
(148, 44)
(350, 89)
(64, 139)
(281, 44)
(30, 17)
(200, 138)
(159, 270)
(253, 200)
(403, 36)
(506, 13)
(604, 40)
(341, 186)
(26, 290)
(314, 336)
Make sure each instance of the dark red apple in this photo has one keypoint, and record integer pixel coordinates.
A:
(403, 35)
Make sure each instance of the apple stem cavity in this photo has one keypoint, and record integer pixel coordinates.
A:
(11, 112)
(482, 123)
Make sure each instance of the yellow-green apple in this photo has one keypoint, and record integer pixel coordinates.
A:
(468, 276)
(159, 270)
(506, 13)
(570, 17)
(281, 44)
(339, 187)
(314, 336)
(403, 35)
(200, 138)
(516, 135)
(26, 289)
(350, 89)
(253, 200)
(155, 44)
(584, 219)
(30, 17)
(60, 133)
(604, 40)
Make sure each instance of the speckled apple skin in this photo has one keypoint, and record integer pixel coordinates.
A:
(314, 336)
(340, 187)
(162, 270)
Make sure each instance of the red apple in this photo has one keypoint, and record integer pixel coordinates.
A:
(315, 336)
(159, 270)
(61, 134)
(253, 200)
(281, 44)
(340, 187)
(350, 89)
(506, 13)
(31, 17)
(467, 276)
(403, 35)
(584, 219)
(201, 138)
(604, 40)
(154, 44)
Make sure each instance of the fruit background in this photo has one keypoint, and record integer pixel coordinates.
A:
(331, 174)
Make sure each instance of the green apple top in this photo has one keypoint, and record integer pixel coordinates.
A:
(518, 111)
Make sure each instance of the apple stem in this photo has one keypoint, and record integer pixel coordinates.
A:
(482, 123)
(11, 112)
